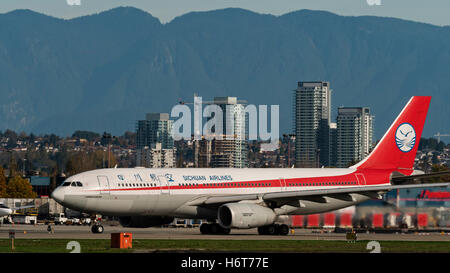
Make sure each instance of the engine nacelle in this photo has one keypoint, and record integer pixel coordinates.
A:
(144, 221)
(243, 215)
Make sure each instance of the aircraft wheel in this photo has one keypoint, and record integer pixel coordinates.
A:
(262, 230)
(97, 229)
(284, 229)
(100, 229)
(205, 229)
(215, 228)
(272, 230)
(226, 231)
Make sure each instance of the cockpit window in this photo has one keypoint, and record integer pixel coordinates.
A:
(79, 184)
(74, 184)
(65, 184)
(3, 206)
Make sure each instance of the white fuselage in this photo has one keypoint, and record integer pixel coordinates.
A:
(174, 192)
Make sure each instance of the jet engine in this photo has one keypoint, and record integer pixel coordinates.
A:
(244, 215)
(144, 221)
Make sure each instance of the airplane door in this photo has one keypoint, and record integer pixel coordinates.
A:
(103, 184)
(283, 184)
(361, 179)
(164, 184)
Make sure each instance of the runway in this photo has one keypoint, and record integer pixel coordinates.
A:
(84, 232)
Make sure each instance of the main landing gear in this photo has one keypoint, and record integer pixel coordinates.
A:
(274, 229)
(214, 229)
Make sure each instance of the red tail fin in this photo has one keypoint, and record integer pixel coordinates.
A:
(397, 149)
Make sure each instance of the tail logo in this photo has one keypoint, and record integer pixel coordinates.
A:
(405, 137)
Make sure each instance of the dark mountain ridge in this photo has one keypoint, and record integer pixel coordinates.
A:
(105, 71)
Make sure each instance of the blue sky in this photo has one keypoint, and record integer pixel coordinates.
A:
(428, 11)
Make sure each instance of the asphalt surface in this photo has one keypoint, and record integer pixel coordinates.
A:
(84, 232)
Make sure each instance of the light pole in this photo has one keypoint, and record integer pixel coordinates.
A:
(23, 167)
(107, 138)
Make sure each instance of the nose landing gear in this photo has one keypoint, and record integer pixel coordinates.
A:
(97, 225)
(97, 228)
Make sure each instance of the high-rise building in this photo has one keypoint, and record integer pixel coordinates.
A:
(154, 138)
(229, 150)
(215, 153)
(156, 128)
(333, 144)
(312, 107)
(354, 135)
(156, 157)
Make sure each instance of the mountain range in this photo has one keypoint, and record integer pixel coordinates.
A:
(103, 72)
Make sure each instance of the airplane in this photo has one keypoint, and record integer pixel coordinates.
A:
(5, 211)
(247, 198)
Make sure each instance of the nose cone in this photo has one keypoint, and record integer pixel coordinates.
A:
(5, 212)
(58, 195)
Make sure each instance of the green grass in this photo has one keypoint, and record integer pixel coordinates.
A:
(150, 245)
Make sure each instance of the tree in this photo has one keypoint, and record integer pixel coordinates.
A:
(19, 187)
(439, 168)
(2, 183)
(12, 166)
(90, 136)
(82, 161)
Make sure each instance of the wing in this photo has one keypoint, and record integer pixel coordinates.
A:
(313, 195)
